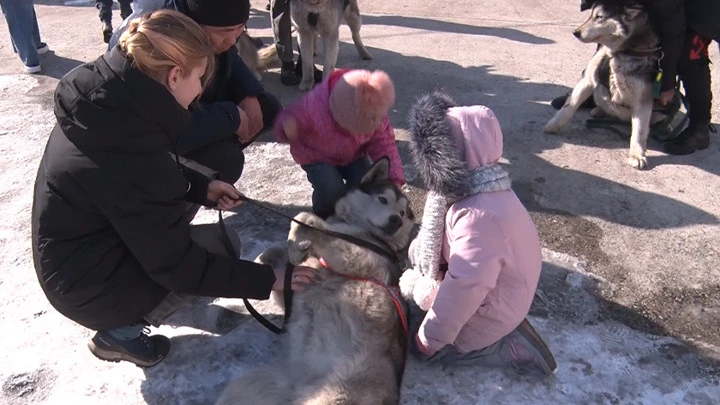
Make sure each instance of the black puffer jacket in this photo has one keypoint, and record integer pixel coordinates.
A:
(108, 230)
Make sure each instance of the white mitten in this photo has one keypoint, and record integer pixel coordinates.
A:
(414, 286)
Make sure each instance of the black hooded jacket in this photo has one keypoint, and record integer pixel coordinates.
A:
(109, 233)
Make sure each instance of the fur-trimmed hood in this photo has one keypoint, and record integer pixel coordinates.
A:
(448, 142)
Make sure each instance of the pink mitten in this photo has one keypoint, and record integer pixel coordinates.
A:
(421, 289)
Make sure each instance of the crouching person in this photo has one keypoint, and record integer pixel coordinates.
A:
(476, 229)
(112, 242)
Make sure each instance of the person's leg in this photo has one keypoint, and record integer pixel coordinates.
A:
(105, 13)
(522, 347)
(282, 36)
(22, 24)
(355, 171)
(125, 8)
(226, 157)
(694, 72)
(328, 186)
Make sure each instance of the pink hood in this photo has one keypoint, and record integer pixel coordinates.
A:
(477, 135)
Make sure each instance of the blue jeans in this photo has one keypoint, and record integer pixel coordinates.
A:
(329, 183)
(24, 31)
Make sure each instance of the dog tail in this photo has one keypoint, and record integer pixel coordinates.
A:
(267, 57)
(267, 386)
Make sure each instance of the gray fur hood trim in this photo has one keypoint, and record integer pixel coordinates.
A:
(432, 147)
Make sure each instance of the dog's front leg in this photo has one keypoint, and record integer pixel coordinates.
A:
(331, 47)
(580, 93)
(300, 236)
(638, 139)
(603, 99)
(307, 50)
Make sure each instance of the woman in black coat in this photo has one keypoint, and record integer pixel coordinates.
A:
(111, 236)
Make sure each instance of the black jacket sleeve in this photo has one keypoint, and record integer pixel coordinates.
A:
(159, 239)
(669, 19)
(242, 82)
(211, 122)
(199, 178)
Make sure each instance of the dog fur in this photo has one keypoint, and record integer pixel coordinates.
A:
(620, 83)
(345, 340)
(257, 60)
(313, 18)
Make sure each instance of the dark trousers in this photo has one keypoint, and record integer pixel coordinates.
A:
(281, 25)
(226, 156)
(331, 182)
(105, 8)
(694, 72)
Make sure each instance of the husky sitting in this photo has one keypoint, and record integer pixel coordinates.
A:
(323, 17)
(346, 337)
(621, 74)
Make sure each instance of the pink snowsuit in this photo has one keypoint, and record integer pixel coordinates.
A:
(491, 247)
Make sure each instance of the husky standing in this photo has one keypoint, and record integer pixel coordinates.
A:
(323, 17)
(621, 74)
(346, 340)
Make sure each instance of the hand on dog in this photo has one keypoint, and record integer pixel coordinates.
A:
(251, 106)
(224, 195)
(290, 127)
(302, 278)
(243, 131)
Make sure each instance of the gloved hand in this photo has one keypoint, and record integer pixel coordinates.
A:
(421, 289)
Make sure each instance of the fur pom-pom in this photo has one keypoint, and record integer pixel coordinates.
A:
(375, 95)
(432, 147)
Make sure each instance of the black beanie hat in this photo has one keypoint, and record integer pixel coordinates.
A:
(219, 13)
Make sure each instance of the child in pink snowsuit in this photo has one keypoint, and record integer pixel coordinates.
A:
(335, 128)
(475, 225)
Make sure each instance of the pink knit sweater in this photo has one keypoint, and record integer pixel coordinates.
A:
(320, 139)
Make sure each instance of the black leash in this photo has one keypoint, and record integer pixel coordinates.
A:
(287, 290)
(386, 252)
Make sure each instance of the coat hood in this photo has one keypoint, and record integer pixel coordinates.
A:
(448, 142)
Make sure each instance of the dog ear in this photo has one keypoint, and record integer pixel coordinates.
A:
(378, 172)
(631, 12)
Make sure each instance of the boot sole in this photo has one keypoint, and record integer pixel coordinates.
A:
(115, 357)
(530, 335)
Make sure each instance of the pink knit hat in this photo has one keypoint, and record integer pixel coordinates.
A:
(361, 99)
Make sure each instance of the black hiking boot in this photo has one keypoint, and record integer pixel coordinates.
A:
(107, 31)
(143, 351)
(559, 102)
(288, 76)
(694, 137)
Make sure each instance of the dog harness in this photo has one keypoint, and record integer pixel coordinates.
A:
(393, 292)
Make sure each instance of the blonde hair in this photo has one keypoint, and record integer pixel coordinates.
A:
(160, 40)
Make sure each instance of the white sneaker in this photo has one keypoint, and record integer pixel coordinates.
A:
(42, 48)
(33, 69)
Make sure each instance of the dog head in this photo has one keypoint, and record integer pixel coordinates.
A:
(379, 207)
(612, 22)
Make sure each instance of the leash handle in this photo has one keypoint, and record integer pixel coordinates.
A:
(287, 287)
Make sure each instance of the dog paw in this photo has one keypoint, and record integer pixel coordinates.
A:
(306, 85)
(298, 250)
(637, 161)
(552, 127)
(365, 55)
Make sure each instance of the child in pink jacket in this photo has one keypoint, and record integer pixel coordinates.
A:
(473, 224)
(335, 129)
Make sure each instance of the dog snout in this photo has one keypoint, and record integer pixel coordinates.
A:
(577, 34)
(393, 224)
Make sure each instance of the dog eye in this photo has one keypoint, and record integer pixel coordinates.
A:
(402, 214)
(382, 199)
